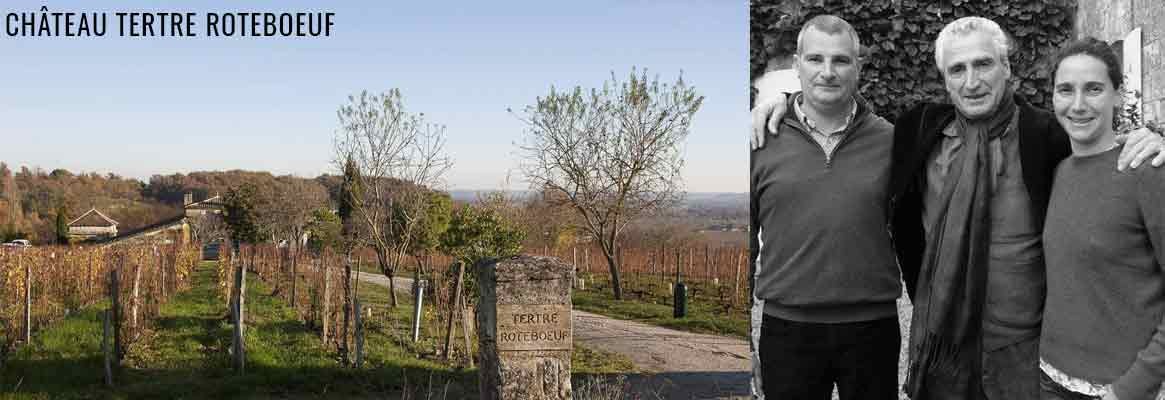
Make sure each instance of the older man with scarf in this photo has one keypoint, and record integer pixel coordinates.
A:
(980, 171)
(970, 183)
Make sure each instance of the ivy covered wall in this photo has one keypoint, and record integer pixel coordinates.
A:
(899, 35)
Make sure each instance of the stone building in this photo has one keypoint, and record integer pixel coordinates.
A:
(1112, 20)
(92, 225)
(212, 206)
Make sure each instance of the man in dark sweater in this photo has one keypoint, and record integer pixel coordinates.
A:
(970, 185)
(826, 274)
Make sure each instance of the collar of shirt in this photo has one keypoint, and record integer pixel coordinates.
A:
(805, 120)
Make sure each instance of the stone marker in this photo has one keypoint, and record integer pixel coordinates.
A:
(524, 328)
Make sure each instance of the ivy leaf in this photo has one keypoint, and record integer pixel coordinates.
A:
(899, 70)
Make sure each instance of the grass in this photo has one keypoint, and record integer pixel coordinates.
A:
(590, 361)
(68, 354)
(185, 356)
(381, 328)
(649, 301)
(371, 268)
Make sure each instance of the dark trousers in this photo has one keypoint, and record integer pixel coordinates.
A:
(1008, 373)
(1050, 390)
(803, 360)
(1013, 372)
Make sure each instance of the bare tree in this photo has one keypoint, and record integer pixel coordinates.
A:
(613, 153)
(295, 200)
(207, 227)
(399, 156)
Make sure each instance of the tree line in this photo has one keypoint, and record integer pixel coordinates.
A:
(601, 160)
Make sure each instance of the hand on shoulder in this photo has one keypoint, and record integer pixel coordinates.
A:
(765, 117)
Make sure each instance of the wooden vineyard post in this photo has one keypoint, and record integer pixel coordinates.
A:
(27, 300)
(234, 324)
(691, 261)
(283, 269)
(635, 267)
(736, 281)
(465, 321)
(356, 290)
(625, 278)
(651, 259)
(324, 319)
(707, 269)
(115, 307)
(293, 260)
(347, 311)
(162, 269)
(418, 307)
(453, 305)
(89, 275)
(133, 301)
(3, 284)
(106, 351)
(359, 334)
(662, 264)
(240, 301)
(587, 259)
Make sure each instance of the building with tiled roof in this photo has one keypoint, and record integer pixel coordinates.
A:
(92, 224)
(212, 205)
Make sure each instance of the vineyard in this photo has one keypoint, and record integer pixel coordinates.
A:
(337, 307)
(343, 309)
(720, 273)
(64, 280)
(716, 275)
(43, 285)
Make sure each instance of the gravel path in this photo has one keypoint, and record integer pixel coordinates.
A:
(675, 364)
(655, 349)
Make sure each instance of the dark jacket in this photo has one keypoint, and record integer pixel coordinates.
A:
(1042, 145)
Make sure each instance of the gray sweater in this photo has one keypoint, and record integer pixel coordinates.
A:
(1104, 320)
(827, 255)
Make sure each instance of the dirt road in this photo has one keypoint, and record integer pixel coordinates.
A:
(674, 364)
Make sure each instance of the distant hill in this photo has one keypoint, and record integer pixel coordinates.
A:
(469, 196)
(717, 200)
(693, 200)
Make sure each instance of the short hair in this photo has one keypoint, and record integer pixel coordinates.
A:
(965, 26)
(1092, 47)
(831, 25)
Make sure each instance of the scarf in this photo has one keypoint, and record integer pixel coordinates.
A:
(946, 329)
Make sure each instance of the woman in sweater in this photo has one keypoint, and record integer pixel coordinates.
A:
(1104, 322)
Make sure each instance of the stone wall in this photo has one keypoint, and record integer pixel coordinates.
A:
(1111, 20)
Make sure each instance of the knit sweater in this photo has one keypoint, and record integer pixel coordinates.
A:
(826, 253)
(1104, 243)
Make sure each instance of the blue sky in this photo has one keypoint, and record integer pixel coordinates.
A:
(143, 106)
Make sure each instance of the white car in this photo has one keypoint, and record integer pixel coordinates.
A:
(18, 243)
